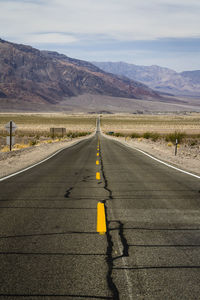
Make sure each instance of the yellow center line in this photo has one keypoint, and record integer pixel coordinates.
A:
(97, 153)
(97, 162)
(101, 218)
(98, 176)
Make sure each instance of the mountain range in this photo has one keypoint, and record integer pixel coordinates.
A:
(161, 79)
(49, 77)
(34, 80)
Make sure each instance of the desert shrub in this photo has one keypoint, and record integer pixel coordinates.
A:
(83, 133)
(33, 142)
(134, 135)
(5, 149)
(172, 137)
(146, 135)
(21, 146)
(170, 144)
(154, 136)
(75, 134)
(119, 134)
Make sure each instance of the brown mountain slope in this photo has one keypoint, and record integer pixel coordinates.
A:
(48, 77)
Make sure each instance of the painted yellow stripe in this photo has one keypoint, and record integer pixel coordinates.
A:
(101, 218)
(97, 153)
(97, 162)
(98, 176)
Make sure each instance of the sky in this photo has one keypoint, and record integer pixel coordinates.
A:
(141, 32)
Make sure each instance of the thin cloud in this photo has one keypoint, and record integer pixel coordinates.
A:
(78, 23)
(122, 19)
(50, 38)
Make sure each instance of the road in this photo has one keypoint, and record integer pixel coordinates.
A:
(49, 247)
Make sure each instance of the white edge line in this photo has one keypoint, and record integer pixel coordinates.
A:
(156, 159)
(40, 162)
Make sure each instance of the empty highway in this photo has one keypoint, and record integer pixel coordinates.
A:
(49, 247)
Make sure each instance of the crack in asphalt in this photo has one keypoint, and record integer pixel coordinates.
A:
(103, 175)
(110, 259)
(68, 192)
(123, 239)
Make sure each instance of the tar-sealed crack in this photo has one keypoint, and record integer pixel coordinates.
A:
(110, 259)
(123, 239)
(67, 194)
(104, 177)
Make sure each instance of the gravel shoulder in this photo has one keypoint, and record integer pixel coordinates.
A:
(11, 162)
(187, 158)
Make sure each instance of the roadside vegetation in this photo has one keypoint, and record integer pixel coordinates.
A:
(163, 128)
(181, 137)
(36, 140)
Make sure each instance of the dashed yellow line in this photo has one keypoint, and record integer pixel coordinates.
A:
(98, 176)
(101, 218)
(97, 162)
(97, 153)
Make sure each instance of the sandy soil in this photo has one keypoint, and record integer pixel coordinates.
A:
(14, 161)
(187, 158)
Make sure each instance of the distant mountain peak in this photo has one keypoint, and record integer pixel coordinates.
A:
(158, 78)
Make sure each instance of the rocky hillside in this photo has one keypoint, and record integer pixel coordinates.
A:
(158, 78)
(193, 76)
(48, 77)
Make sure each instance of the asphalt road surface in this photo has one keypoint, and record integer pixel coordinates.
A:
(49, 247)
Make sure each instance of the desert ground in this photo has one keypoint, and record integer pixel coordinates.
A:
(160, 123)
(34, 128)
(90, 103)
(97, 103)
